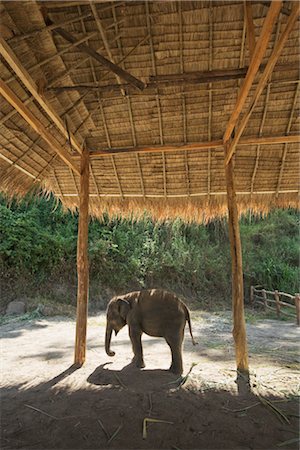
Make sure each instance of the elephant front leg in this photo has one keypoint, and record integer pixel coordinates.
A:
(136, 341)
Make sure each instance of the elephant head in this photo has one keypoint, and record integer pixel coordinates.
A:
(117, 311)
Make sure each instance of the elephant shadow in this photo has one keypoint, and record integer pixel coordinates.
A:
(134, 379)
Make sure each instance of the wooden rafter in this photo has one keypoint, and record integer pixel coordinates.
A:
(57, 54)
(164, 173)
(98, 57)
(252, 140)
(187, 173)
(91, 114)
(104, 38)
(264, 78)
(28, 82)
(74, 180)
(161, 135)
(94, 180)
(17, 166)
(250, 28)
(263, 121)
(140, 173)
(30, 34)
(117, 175)
(91, 61)
(260, 133)
(129, 107)
(11, 98)
(210, 99)
(285, 148)
(259, 52)
(5, 172)
(18, 135)
(67, 72)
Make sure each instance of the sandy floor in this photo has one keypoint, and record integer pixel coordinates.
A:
(47, 404)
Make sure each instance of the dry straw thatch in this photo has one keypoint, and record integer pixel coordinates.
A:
(163, 44)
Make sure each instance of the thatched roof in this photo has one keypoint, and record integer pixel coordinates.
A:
(191, 57)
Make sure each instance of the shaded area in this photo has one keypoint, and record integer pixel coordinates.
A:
(52, 416)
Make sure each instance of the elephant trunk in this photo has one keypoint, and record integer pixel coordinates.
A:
(107, 341)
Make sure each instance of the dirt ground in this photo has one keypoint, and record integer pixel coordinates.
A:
(49, 404)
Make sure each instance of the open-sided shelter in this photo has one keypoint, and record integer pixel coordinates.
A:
(180, 108)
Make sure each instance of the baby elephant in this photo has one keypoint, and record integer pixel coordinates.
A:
(154, 312)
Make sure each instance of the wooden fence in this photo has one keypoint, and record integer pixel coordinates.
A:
(262, 297)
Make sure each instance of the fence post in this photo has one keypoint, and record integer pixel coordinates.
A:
(265, 298)
(276, 295)
(297, 304)
(251, 295)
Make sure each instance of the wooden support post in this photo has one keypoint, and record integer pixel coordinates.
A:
(297, 304)
(239, 326)
(82, 261)
(277, 299)
(251, 295)
(264, 299)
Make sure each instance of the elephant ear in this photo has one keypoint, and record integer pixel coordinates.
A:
(123, 307)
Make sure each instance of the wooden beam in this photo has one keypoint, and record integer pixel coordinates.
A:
(20, 37)
(264, 78)
(252, 140)
(103, 61)
(154, 69)
(250, 28)
(82, 261)
(16, 103)
(104, 38)
(28, 82)
(239, 326)
(259, 52)
(16, 166)
(288, 129)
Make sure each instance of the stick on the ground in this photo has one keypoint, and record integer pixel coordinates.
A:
(104, 430)
(42, 412)
(279, 414)
(147, 420)
(115, 433)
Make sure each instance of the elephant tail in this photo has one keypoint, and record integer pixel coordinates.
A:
(188, 319)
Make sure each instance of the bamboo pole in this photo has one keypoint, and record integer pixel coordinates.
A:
(239, 326)
(277, 299)
(265, 299)
(82, 261)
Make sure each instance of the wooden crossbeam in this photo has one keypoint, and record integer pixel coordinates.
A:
(20, 37)
(16, 103)
(264, 78)
(258, 55)
(250, 27)
(103, 37)
(288, 129)
(103, 61)
(17, 166)
(252, 140)
(28, 82)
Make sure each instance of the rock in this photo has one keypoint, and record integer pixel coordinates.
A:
(16, 307)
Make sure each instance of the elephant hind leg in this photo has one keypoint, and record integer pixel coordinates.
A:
(175, 344)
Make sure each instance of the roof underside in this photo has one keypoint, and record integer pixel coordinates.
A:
(162, 44)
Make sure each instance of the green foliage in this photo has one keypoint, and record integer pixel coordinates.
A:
(271, 251)
(38, 245)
